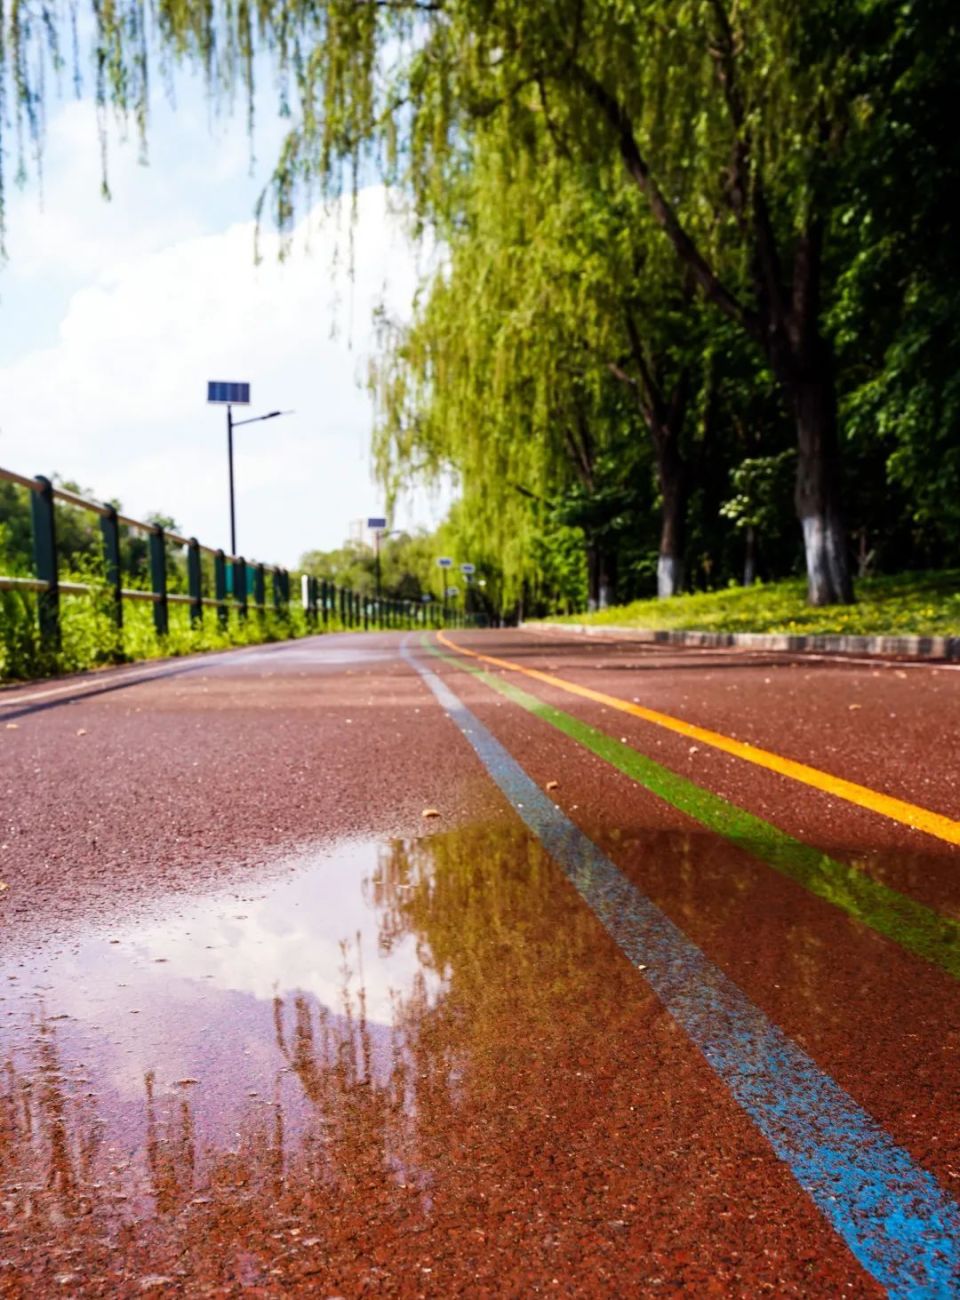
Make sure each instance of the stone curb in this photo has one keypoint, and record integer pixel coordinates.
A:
(945, 648)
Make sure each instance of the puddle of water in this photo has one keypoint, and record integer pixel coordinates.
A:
(206, 1097)
(133, 1064)
(384, 1072)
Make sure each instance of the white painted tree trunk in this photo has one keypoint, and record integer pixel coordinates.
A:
(825, 547)
(669, 576)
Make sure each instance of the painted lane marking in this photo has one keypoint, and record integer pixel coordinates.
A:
(78, 688)
(899, 810)
(893, 1215)
(912, 925)
(104, 681)
(98, 682)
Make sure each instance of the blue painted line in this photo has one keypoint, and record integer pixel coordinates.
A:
(894, 1216)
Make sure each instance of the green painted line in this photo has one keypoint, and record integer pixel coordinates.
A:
(919, 929)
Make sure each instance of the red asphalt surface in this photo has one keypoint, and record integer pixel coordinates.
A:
(266, 1029)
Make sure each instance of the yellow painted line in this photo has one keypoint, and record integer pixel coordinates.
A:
(898, 810)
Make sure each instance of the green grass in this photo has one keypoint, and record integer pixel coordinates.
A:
(921, 604)
(89, 638)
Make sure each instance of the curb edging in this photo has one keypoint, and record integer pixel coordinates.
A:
(940, 648)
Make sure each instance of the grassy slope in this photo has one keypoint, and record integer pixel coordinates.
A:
(920, 603)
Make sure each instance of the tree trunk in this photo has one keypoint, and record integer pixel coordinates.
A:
(817, 493)
(600, 577)
(673, 490)
(750, 557)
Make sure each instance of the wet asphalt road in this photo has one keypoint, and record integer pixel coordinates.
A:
(630, 1014)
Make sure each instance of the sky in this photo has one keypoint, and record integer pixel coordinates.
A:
(113, 316)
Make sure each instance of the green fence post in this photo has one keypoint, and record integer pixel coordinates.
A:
(45, 562)
(158, 580)
(260, 589)
(276, 584)
(239, 574)
(220, 587)
(195, 582)
(110, 532)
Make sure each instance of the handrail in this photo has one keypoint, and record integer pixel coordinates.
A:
(23, 584)
(131, 523)
(321, 600)
(248, 578)
(104, 510)
(11, 477)
(74, 499)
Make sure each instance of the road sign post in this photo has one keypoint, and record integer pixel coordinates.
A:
(377, 524)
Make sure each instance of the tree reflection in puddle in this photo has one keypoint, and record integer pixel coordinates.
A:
(161, 1118)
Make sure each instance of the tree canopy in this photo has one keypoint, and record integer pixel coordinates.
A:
(738, 205)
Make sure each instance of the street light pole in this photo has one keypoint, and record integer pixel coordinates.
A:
(231, 425)
(233, 511)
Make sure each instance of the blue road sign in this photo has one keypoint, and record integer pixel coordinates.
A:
(445, 562)
(376, 523)
(235, 394)
(467, 569)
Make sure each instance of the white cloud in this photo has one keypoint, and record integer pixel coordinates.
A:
(158, 303)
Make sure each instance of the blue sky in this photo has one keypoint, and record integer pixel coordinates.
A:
(113, 315)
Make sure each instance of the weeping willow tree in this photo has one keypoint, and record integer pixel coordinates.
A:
(553, 357)
(734, 120)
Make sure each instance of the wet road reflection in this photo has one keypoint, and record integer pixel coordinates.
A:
(407, 1068)
(258, 1065)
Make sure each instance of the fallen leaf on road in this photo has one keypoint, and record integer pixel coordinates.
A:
(854, 706)
(430, 812)
(13, 726)
(3, 886)
(183, 1083)
(82, 731)
(553, 785)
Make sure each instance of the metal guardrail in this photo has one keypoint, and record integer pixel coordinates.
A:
(323, 602)
(49, 587)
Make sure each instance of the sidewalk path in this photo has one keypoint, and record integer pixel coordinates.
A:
(493, 964)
